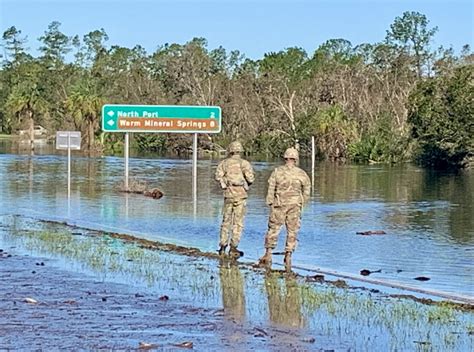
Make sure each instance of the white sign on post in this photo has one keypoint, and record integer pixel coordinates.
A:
(68, 140)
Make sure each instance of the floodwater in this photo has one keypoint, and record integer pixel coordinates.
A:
(428, 217)
(116, 294)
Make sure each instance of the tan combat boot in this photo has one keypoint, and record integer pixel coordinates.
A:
(235, 253)
(266, 259)
(287, 261)
(221, 250)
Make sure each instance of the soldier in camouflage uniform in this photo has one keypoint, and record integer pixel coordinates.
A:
(234, 175)
(288, 190)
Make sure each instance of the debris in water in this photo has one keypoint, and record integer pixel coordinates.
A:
(309, 339)
(104, 299)
(366, 272)
(422, 278)
(137, 295)
(146, 346)
(30, 300)
(261, 332)
(339, 283)
(154, 193)
(186, 344)
(370, 233)
(164, 298)
(315, 278)
(423, 342)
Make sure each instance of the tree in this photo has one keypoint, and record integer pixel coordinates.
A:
(14, 46)
(411, 33)
(26, 99)
(85, 103)
(55, 45)
(442, 118)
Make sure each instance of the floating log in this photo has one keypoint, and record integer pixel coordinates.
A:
(370, 233)
(154, 193)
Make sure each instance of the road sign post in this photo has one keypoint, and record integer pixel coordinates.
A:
(127, 150)
(162, 119)
(68, 140)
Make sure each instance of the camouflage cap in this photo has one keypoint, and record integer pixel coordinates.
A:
(236, 147)
(291, 153)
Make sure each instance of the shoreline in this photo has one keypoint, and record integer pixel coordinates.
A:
(117, 291)
(456, 300)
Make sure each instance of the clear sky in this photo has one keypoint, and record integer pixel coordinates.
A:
(253, 27)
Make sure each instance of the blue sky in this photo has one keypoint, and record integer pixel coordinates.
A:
(253, 27)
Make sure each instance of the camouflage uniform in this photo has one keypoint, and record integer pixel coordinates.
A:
(288, 189)
(235, 175)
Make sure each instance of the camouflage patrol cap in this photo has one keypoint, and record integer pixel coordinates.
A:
(235, 147)
(291, 153)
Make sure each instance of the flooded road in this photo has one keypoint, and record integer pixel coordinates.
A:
(428, 217)
(74, 288)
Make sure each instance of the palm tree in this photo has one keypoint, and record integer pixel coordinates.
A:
(84, 103)
(25, 100)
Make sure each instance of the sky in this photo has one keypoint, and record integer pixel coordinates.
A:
(253, 27)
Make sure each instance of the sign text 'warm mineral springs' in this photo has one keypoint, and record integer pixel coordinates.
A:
(161, 118)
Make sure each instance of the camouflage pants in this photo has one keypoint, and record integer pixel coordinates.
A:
(290, 215)
(232, 219)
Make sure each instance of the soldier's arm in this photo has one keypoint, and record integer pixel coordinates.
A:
(220, 175)
(306, 185)
(247, 170)
(271, 188)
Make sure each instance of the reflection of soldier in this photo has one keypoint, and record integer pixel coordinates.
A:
(232, 286)
(235, 175)
(284, 300)
(288, 189)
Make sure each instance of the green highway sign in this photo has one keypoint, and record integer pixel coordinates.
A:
(161, 118)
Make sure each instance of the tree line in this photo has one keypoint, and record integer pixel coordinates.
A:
(391, 101)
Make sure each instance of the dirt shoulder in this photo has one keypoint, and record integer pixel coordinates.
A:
(77, 311)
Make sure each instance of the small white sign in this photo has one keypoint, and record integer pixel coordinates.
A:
(68, 139)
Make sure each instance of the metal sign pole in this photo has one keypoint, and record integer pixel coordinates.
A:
(313, 161)
(68, 165)
(127, 140)
(195, 140)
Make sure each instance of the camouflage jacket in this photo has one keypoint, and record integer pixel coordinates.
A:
(288, 185)
(235, 175)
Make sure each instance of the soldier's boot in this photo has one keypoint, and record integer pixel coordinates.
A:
(235, 253)
(266, 259)
(221, 250)
(287, 261)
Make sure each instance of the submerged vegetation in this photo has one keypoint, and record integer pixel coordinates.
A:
(374, 102)
(371, 320)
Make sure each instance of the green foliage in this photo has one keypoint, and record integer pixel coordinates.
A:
(353, 100)
(382, 143)
(150, 142)
(411, 33)
(333, 131)
(442, 118)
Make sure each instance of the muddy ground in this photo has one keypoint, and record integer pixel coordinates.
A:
(76, 311)
(69, 288)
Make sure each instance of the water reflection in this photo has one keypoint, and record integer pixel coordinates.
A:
(232, 286)
(284, 300)
(428, 216)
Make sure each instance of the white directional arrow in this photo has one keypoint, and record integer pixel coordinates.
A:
(110, 113)
(110, 122)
